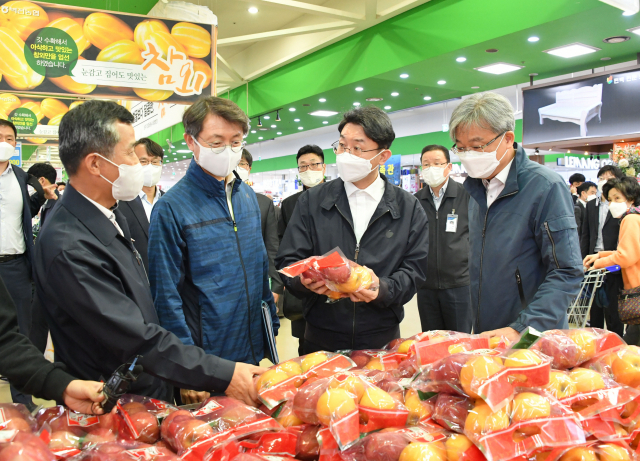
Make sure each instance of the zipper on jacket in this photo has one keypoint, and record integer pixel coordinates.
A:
(246, 284)
(436, 248)
(553, 244)
(484, 230)
(523, 302)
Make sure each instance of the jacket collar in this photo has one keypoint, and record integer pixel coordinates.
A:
(92, 218)
(476, 188)
(336, 195)
(450, 191)
(210, 185)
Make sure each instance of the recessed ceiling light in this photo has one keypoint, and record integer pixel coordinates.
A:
(323, 113)
(260, 137)
(475, 87)
(442, 82)
(322, 100)
(634, 30)
(279, 132)
(395, 94)
(356, 103)
(616, 39)
(292, 109)
(499, 68)
(300, 128)
(359, 88)
(266, 117)
(274, 126)
(387, 107)
(404, 75)
(374, 99)
(252, 10)
(533, 39)
(296, 120)
(427, 98)
(572, 50)
(628, 13)
(461, 59)
(253, 131)
(325, 122)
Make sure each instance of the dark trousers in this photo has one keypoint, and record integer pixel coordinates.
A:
(316, 339)
(297, 331)
(39, 331)
(448, 309)
(609, 313)
(16, 275)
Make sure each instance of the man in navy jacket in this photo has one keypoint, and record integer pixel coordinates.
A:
(525, 259)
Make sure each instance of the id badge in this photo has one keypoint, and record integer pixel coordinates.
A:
(452, 223)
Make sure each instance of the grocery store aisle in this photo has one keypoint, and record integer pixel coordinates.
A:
(287, 345)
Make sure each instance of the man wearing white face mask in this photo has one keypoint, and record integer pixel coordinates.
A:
(91, 280)
(209, 269)
(375, 224)
(525, 259)
(586, 192)
(444, 302)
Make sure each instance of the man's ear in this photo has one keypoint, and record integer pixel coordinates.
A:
(386, 155)
(92, 164)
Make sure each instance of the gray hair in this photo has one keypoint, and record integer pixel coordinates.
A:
(490, 111)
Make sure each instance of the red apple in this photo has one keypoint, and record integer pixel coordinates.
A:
(25, 447)
(177, 416)
(445, 374)
(451, 411)
(312, 274)
(360, 358)
(146, 425)
(190, 431)
(105, 452)
(384, 446)
(134, 407)
(107, 421)
(564, 352)
(306, 401)
(338, 274)
(394, 343)
(98, 436)
(307, 447)
(64, 439)
(237, 415)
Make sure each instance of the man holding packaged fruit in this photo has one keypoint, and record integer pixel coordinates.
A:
(525, 261)
(380, 227)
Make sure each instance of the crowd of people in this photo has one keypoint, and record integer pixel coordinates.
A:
(183, 278)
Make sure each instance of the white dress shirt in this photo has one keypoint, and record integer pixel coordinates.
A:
(11, 206)
(145, 202)
(603, 211)
(496, 185)
(107, 212)
(363, 203)
(438, 200)
(229, 190)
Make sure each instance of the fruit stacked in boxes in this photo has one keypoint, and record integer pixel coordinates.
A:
(561, 395)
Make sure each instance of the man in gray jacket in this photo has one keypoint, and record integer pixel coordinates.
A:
(525, 261)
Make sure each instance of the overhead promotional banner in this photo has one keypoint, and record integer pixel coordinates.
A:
(53, 49)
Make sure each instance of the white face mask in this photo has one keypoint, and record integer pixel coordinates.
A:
(152, 174)
(617, 209)
(433, 176)
(244, 174)
(481, 164)
(353, 168)
(6, 151)
(601, 183)
(129, 182)
(592, 197)
(221, 164)
(312, 178)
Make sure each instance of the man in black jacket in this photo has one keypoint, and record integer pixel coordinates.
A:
(375, 224)
(311, 169)
(16, 244)
(26, 368)
(586, 192)
(444, 301)
(600, 232)
(91, 280)
(46, 175)
(575, 180)
(138, 210)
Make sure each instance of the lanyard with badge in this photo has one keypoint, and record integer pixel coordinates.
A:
(452, 222)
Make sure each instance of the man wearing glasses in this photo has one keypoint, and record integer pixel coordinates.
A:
(209, 270)
(443, 301)
(525, 257)
(311, 170)
(375, 224)
(138, 210)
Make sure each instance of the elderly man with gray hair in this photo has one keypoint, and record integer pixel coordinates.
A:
(525, 261)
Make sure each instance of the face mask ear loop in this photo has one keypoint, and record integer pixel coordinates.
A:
(499, 144)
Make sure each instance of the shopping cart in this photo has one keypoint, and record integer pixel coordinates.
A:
(579, 310)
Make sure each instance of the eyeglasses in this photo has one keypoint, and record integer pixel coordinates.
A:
(340, 148)
(156, 162)
(244, 165)
(437, 165)
(219, 147)
(312, 167)
(466, 150)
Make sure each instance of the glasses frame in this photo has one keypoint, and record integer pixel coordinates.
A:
(220, 149)
(469, 149)
(306, 167)
(437, 165)
(336, 144)
(151, 163)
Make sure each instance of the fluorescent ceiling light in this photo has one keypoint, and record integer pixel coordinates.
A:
(387, 107)
(404, 75)
(253, 10)
(635, 30)
(300, 128)
(323, 113)
(533, 39)
(278, 132)
(356, 103)
(572, 50)
(442, 82)
(359, 88)
(292, 109)
(322, 100)
(499, 68)
(273, 126)
(260, 137)
(461, 59)
(427, 98)
(253, 131)
(395, 94)
(183, 151)
(325, 122)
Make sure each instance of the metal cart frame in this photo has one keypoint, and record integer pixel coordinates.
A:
(578, 312)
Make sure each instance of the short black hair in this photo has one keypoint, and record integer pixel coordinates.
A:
(577, 177)
(310, 149)
(194, 116)
(4, 122)
(153, 148)
(585, 186)
(627, 186)
(248, 157)
(43, 170)
(89, 128)
(617, 172)
(61, 183)
(374, 121)
(431, 147)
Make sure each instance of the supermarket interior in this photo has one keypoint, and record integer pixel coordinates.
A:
(332, 230)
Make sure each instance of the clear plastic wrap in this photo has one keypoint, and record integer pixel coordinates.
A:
(15, 416)
(19, 445)
(124, 450)
(139, 417)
